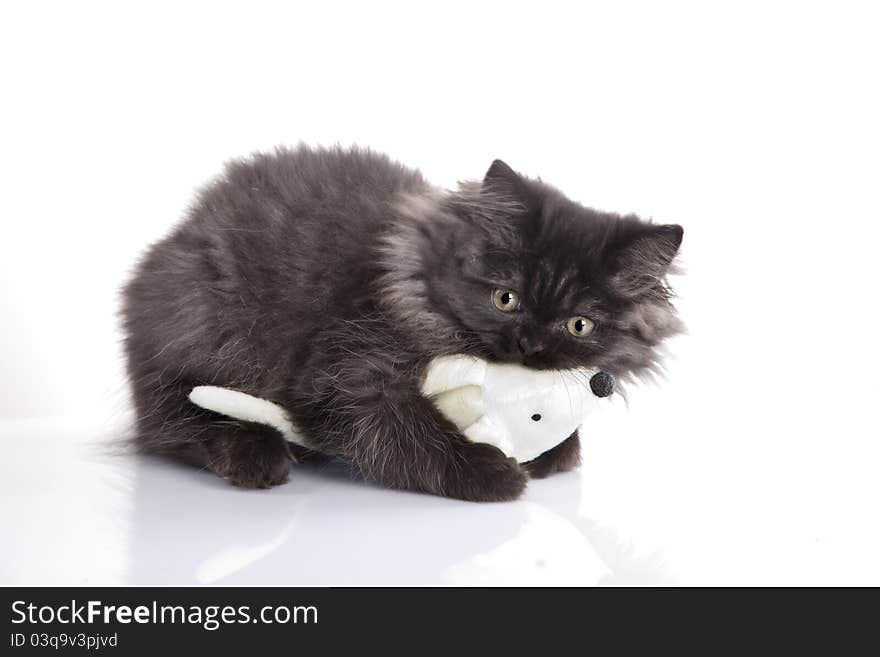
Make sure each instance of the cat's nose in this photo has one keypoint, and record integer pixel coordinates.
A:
(530, 346)
(602, 384)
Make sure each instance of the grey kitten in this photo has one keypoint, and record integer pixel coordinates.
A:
(326, 279)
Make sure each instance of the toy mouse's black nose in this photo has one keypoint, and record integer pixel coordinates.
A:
(602, 384)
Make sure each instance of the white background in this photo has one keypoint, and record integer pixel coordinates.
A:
(754, 125)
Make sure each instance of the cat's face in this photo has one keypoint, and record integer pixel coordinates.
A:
(515, 272)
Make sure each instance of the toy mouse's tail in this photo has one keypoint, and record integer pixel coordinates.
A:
(242, 406)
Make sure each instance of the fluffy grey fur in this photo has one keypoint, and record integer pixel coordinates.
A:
(326, 279)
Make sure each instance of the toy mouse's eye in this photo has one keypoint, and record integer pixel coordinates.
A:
(505, 300)
(579, 326)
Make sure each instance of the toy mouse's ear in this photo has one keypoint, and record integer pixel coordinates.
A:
(447, 373)
(641, 264)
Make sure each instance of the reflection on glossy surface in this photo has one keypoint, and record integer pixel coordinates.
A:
(328, 527)
(98, 517)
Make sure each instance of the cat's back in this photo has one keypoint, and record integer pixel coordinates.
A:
(297, 216)
(289, 219)
(276, 236)
(292, 188)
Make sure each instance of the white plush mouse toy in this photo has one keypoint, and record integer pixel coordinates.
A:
(521, 411)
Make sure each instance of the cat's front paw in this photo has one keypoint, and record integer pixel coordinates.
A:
(486, 475)
(562, 458)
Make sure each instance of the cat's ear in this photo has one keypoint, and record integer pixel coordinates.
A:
(642, 262)
(501, 179)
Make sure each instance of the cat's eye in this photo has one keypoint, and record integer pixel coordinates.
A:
(579, 326)
(505, 300)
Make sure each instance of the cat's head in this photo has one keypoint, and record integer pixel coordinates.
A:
(511, 270)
